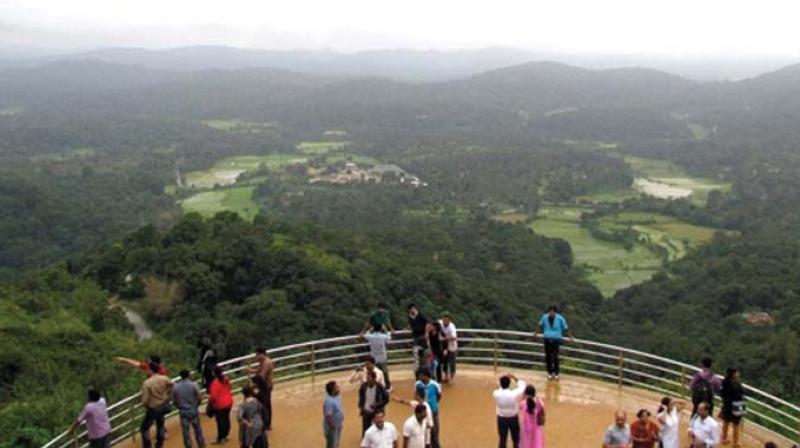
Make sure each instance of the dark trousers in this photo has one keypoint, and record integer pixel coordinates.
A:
(264, 396)
(418, 352)
(261, 442)
(153, 416)
(385, 369)
(366, 421)
(504, 425)
(551, 347)
(435, 431)
(223, 418)
(102, 442)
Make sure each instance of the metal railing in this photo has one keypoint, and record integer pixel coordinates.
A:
(497, 348)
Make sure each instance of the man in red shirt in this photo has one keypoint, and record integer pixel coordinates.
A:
(143, 365)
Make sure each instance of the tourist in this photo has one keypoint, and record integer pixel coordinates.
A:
(252, 432)
(432, 391)
(95, 416)
(263, 379)
(703, 429)
(333, 415)
(437, 345)
(415, 430)
(669, 418)
(644, 433)
(206, 361)
(377, 349)
(418, 324)
(507, 400)
(733, 406)
(704, 385)
(186, 397)
(771, 445)
(531, 420)
(360, 375)
(144, 366)
(618, 435)
(552, 326)
(220, 401)
(156, 392)
(379, 320)
(451, 338)
(419, 399)
(381, 434)
(371, 397)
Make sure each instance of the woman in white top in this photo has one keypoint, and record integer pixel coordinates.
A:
(669, 418)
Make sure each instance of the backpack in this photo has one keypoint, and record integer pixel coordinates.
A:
(702, 391)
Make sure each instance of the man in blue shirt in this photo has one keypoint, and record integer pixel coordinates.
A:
(432, 391)
(552, 325)
(333, 415)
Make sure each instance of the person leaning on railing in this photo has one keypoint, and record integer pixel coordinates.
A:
(95, 416)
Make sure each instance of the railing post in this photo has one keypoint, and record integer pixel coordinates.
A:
(684, 386)
(313, 365)
(495, 355)
(620, 370)
(130, 421)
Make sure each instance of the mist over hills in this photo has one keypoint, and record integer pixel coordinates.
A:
(399, 64)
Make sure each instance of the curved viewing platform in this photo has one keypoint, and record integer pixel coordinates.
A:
(597, 379)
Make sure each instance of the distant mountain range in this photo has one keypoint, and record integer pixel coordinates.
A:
(397, 64)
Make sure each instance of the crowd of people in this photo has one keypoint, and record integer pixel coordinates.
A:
(703, 430)
(520, 413)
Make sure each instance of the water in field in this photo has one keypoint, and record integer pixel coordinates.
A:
(661, 189)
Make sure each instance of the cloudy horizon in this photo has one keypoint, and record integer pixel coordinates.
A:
(679, 29)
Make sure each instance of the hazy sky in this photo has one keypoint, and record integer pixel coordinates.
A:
(767, 27)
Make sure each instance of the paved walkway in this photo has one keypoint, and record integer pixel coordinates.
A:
(578, 412)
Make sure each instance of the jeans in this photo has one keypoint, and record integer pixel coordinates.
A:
(191, 421)
(223, 418)
(332, 437)
(385, 369)
(102, 442)
(551, 355)
(450, 364)
(435, 431)
(154, 416)
(504, 425)
(435, 369)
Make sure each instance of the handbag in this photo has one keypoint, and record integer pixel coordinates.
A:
(738, 408)
(209, 410)
(540, 418)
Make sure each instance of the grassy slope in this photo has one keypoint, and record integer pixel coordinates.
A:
(608, 264)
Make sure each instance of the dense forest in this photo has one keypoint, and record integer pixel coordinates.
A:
(94, 154)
